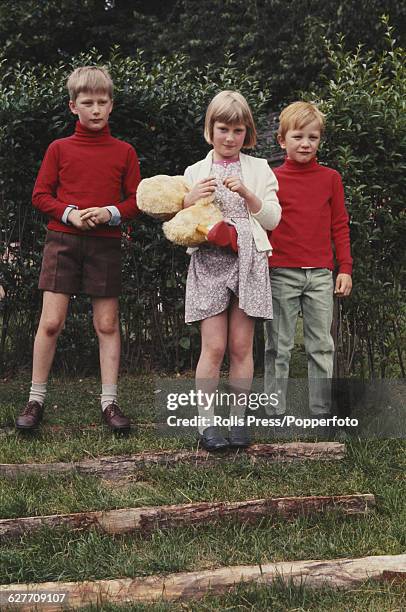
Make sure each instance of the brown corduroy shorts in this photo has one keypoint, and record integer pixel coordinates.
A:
(81, 264)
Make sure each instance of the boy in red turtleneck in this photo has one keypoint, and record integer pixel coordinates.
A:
(87, 186)
(313, 218)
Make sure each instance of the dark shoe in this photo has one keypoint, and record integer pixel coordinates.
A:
(212, 440)
(238, 436)
(30, 417)
(115, 419)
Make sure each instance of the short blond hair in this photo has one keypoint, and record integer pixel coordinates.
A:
(297, 115)
(230, 107)
(89, 79)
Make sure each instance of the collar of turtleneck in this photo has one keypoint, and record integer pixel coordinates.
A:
(83, 133)
(291, 164)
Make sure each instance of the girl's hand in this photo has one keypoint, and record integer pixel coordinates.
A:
(203, 189)
(235, 184)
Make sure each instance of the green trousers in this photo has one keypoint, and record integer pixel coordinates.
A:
(311, 291)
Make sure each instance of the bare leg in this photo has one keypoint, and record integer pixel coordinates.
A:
(53, 315)
(214, 341)
(240, 346)
(106, 324)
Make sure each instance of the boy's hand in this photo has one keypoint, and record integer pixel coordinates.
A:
(95, 216)
(343, 285)
(76, 220)
(203, 189)
(235, 184)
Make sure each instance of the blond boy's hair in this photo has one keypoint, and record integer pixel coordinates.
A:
(230, 107)
(89, 79)
(297, 115)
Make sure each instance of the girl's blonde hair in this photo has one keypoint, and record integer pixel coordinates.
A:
(297, 115)
(230, 107)
(89, 79)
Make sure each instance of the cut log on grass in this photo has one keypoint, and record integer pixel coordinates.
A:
(119, 465)
(336, 573)
(393, 577)
(146, 519)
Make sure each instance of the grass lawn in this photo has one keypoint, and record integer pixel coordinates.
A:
(72, 431)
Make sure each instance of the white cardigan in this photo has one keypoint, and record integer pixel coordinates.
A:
(258, 178)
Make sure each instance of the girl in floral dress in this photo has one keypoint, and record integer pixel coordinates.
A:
(225, 290)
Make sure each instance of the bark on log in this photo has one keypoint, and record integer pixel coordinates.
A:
(119, 465)
(393, 577)
(146, 519)
(338, 573)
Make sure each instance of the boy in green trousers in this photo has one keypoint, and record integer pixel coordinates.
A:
(314, 218)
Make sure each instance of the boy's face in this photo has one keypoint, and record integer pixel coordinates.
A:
(301, 145)
(93, 109)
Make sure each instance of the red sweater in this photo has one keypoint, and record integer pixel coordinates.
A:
(89, 168)
(313, 217)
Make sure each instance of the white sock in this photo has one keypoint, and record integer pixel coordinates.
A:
(237, 414)
(206, 418)
(238, 409)
(38, 392)
(108, 395)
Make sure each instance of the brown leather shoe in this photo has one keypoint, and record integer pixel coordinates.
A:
(30, 417)
(115, 419)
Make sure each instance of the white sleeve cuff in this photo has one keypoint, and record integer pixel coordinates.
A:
(66, 213)
(115, 215)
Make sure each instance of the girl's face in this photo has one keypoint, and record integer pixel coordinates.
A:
(228, 139)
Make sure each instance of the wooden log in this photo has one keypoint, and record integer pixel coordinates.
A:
(119, 465)
(146, 519)
(393, 577)
(336, 573)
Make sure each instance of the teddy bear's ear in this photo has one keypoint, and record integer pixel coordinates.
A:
(161, 196)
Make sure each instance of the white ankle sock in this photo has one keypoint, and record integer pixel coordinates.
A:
(108, 395)
(38, 392)
(206, 418)
(239, 408)
(237, 414)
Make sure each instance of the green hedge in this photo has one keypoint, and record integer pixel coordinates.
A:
(160, 111)
(366, 141)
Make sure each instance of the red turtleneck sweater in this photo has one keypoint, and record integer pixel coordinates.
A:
(89, 168)
(313, 217)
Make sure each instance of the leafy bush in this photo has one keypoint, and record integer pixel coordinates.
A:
(160, 111)
(366, 141)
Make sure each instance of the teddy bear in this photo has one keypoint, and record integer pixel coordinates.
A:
(161, 197)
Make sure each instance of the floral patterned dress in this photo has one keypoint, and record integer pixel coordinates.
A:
(216, 273)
